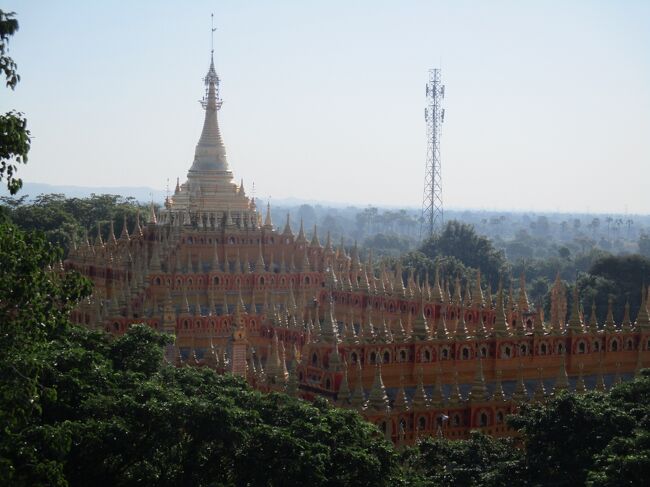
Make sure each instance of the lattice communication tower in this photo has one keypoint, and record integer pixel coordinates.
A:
(434, 115)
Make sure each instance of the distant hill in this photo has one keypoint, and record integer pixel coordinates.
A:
(140, 193)
(144, 194)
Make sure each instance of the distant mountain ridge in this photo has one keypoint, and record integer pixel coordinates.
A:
(144, 194)
(140, 193)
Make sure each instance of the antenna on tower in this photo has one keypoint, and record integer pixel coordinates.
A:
(434, 116)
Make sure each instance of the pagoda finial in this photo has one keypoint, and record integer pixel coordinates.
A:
(500, 327)
(125, 231)
(301, 233)
(328, 242)
(138, 227)
(498, 395)
(377, 399)
(455, 398)
(575, 323)
(259, 264)
(314, 238)
(111, 234)
(152, 214)
(212, 29)
(358, 398)
(562, 380)
(609, 321)
(479, 389)
(593, 320)
(437, 396)
(477, 297)
(520, 393)
(523, 297)
(287, 227)
(626, 326)
(344, 395)
(401, 402)
(420, 400)
(461, 326)
(420, 326)
(643, 318)
(267, 221)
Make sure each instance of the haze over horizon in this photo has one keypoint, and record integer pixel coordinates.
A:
(547, 105)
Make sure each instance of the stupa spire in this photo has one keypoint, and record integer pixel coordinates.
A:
(267, 220)
(210, 153)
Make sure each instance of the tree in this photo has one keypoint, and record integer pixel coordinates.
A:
(562, 438)
(461, 241)
(590, 439)
(35, 302)
(626, 459)
(594, 225)
(478, 461)
(382, 244)
(644, 245)
(538, 289)
(627, 274)
(62, 219)
(564, 252)
(14, 136)
(365, 220)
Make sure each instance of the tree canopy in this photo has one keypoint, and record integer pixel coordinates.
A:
(458, 249)
(62, 219)
(14, 136)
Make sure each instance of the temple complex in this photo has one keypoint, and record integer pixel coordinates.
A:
(291, 311)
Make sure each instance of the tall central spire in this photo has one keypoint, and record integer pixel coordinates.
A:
(210, 188)
(210, 153)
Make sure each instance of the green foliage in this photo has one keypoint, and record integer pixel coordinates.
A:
(423, 265)
(121, 421)
(592, 439)
(461, 241)
(629, 272)
(538, 289)
(620, 277)
(139, 351)
(478, 461)
(14, 136)
(626, 459)
(34, 306)
(387, 245)
(62, 219)
(581, 425)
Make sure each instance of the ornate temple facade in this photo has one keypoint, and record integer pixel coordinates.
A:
(290, 312)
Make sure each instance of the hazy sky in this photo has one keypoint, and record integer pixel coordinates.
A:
(547, 106)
